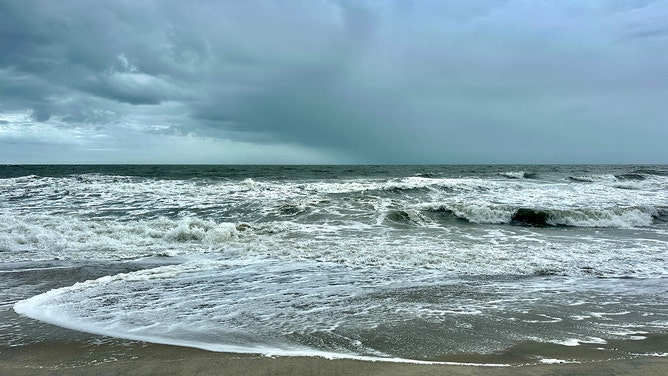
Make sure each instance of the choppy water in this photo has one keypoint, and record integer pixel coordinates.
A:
(411, 262)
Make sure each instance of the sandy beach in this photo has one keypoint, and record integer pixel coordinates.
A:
(150, 359)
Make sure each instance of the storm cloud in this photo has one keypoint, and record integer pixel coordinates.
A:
(333, 81)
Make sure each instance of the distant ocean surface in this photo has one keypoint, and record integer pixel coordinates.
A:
(370, 262)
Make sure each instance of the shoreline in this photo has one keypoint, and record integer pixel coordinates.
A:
(140, 358)
(61, 351)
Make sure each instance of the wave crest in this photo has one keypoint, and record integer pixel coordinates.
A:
(617, 217)
(518, 175)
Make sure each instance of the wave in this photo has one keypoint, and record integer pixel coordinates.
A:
(394, 188)
(593, 178)
(638, 175)
(631, 176)
(429, 175)
(406, 217)
(200, 230)
(530, 217)
(588, 217)
(518, 175)
(57, 237)
(293, 208)
(616, 217)
(414, 183)
(650, 172)
(661, 214)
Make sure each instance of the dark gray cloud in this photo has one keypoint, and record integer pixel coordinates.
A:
(334, 81)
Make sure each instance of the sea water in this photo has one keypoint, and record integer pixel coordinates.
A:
(412, 263)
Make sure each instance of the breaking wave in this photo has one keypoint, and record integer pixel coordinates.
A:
(618, 217)
(63, 237)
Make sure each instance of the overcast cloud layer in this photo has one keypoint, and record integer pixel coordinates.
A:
(334, 81)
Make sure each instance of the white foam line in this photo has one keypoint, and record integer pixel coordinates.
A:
(557, 361)
(571, 342)
(34, 269)
(33, 308)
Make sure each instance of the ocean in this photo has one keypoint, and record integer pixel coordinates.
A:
(398, 263)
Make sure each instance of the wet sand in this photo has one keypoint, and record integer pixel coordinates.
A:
(136, 358)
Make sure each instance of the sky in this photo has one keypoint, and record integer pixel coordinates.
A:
(333, 81)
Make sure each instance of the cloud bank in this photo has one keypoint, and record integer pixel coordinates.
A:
(333, 81)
